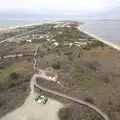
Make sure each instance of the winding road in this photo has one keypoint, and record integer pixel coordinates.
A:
(41, 74)
(78, 101)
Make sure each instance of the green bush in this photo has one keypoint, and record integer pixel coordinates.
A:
(89, 100)
(93, 44)
(14, 75)
(56, 66)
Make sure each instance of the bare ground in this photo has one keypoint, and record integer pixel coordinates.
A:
(90, 73)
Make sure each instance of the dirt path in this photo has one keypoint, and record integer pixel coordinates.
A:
(30, 110)
(78, 101)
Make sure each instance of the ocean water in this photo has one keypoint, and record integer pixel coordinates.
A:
(12, 23)
(21, 21)
(16, 21)
(108, 30)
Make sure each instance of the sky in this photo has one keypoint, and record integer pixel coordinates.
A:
(61, 5)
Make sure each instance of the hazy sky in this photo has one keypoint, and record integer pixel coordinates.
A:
(59, 4)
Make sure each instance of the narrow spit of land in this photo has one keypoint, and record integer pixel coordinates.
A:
(88, 69)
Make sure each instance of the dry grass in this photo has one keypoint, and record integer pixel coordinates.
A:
(78, 112)
(92, 76)
(20, 68)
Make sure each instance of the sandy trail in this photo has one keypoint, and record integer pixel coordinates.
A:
(33, 111)
(30, 110)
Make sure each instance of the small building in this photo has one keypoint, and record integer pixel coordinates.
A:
(51, 75)
(56, 44)
(29, 41)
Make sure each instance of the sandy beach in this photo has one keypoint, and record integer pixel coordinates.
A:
(31, 24)
(53, 22)
(100, 39)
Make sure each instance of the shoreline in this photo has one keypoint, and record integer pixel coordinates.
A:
(31, 24)
(100, 39)
(26, 25)
(19, 26)
(54, 22)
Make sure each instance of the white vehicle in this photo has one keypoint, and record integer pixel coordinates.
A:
(41, 99)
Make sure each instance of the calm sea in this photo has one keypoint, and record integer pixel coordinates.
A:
(108, 30)
(12, 23)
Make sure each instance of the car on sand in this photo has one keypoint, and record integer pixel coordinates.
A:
(41, 100)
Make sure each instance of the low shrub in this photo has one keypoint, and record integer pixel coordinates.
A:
(56, 66)
(89, 100)
(14, 75)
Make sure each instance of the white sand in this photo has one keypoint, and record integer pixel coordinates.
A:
(100, 39)
(30, 110)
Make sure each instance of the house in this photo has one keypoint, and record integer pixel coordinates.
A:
(51, 75)
(29, 41)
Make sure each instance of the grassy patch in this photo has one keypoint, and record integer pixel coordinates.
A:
(93, 44)
(76, 112)
(14, 75)
(89, 100)
(19, 68)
